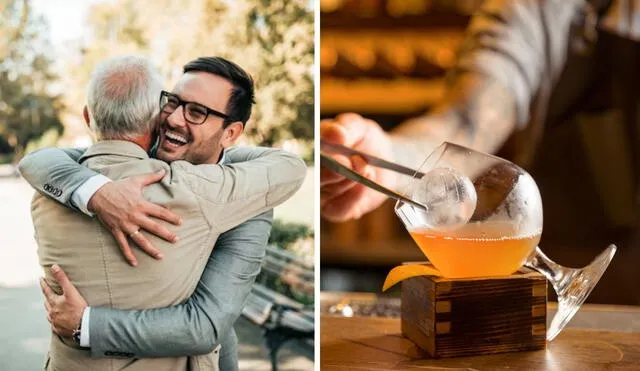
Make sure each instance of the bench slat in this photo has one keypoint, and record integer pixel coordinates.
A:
(257, 309)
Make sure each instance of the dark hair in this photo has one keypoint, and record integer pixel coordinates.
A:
(242, 98)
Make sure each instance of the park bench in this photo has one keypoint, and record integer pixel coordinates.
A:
(281, 317)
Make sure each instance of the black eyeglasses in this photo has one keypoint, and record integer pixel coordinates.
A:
(194, 113)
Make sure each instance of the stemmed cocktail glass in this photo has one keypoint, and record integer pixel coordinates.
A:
(483, 217)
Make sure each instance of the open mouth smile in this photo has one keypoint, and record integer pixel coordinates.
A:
(174, 139)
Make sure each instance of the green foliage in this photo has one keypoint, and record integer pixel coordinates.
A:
(48, 139)
(6, 158)
(271, 39)
(285, 234)
(297, 239)
(276, 284)
(27, 108)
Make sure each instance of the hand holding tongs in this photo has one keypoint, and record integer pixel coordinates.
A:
(337, 167)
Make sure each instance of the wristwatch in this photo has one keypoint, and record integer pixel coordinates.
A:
(76, 333)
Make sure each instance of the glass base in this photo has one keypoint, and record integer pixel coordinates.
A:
(573, 291)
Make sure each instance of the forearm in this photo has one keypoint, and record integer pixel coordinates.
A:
(183, 330)
(285, 171)
(206, 318)
(285, 177)
(245, 153)
(512, 49)
(243, 190)
(477, 112)
(55, 172)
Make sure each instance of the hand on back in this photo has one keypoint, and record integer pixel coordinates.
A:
(121, 207)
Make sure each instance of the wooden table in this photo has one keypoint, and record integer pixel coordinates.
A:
(601, 337)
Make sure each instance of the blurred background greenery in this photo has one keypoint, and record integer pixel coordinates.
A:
(42, 88)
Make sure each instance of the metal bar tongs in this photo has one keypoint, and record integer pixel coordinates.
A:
(337, 167)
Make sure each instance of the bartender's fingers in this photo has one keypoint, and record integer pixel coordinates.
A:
(346, 206)
(351, 128)
(347, 129)
(333, 131)
(330, 190)
(352, 202)
(329, 177)
(353, 131)
(355, 163)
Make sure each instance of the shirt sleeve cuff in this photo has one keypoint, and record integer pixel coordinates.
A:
(84, 328)
(81, 196)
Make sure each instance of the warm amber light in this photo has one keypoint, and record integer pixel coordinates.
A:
(328, 57)
(364, 58)
(329, 6)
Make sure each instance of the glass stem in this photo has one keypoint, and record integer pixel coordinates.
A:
(558, 275)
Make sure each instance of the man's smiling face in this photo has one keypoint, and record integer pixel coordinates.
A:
(197, 144)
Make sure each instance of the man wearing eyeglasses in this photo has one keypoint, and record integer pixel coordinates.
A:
(198, 121)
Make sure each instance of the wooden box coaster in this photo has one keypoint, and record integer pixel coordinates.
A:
(476, 316)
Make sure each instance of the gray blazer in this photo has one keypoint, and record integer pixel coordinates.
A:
(202, 322)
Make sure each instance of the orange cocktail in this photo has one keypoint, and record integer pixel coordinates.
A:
(475, 249)
(477, 215)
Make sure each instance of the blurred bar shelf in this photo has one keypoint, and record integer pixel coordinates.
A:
(379, 97)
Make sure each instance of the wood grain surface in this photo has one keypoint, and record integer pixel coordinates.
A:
(364, 343)
(464, 317)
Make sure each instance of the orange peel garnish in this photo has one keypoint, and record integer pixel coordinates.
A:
(402, 272)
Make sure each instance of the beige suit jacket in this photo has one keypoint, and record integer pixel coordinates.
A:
(210, 199)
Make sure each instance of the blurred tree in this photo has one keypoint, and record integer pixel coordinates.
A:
(279, 35)
(27, 108)
(272, 40)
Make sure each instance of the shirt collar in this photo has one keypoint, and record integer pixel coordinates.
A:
(223, 157)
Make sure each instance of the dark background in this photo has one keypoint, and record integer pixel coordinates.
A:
(387, 60)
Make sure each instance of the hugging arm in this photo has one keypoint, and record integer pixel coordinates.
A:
(198, 325)
(231, 194)
(56, 173)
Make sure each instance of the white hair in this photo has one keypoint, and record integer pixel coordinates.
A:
(123, 97)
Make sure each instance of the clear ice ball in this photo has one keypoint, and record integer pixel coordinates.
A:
(449, 196)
